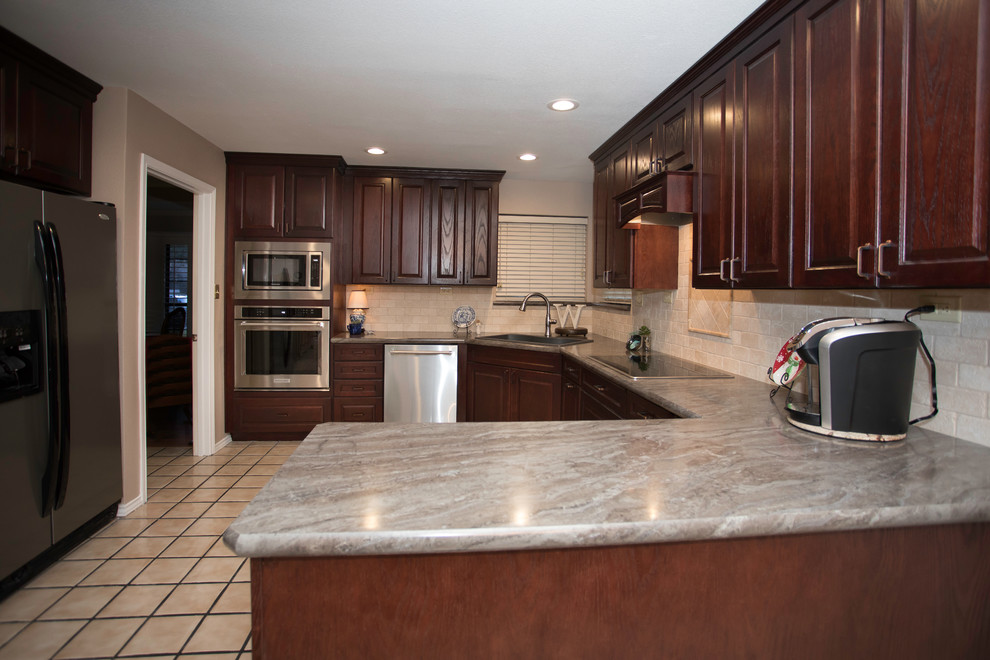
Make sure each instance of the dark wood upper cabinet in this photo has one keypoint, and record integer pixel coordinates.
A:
(309, 201)
(255, 200)
(761, 254)
(417, 226)
(935, 171)
(645, 149)
(371, 246)
(613, 245)
(282, 195)
(46, 119)
(410, 231)
(447, 232)
(481, 233)
(742, 232)
(714, 101)
(675, 130)
(836, 141)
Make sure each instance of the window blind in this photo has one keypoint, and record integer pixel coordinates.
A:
(542, 253)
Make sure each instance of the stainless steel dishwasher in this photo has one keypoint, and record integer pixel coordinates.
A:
(420, 383)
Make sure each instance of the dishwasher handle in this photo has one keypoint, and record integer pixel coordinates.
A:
(421, 352)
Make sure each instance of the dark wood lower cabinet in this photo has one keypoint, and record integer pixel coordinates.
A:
(358, 382)
(512, 385)
(888, 593)
(274, 416)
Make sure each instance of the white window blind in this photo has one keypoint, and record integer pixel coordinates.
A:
(542, 253)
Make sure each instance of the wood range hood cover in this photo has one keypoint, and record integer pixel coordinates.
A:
(666, 199)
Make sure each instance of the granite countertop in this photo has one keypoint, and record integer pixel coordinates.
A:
(731, 468)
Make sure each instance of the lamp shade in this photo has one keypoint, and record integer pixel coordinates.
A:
(357, 300)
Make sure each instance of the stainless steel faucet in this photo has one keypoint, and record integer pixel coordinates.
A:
(522, 308)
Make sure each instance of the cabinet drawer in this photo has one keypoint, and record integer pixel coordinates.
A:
(515, 357)
(605, 391)
(358, 409)
(640, 408)
(572, 370)
(366, 388)
(592, 408)
(264, 416)
(358, 370)
(358, 352)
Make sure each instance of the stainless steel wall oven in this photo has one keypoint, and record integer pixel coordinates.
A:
(281, 348)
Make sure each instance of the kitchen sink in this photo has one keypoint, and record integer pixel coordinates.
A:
(539, 339)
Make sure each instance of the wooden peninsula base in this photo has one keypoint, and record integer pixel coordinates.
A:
(887, 593)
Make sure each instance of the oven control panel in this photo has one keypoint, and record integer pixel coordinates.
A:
(256, 312)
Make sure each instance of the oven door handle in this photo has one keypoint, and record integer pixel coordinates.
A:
(283, 324)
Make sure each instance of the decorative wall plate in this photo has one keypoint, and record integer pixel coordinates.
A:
(463, 316)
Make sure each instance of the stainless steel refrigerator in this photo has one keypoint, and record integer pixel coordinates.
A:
(60, 467)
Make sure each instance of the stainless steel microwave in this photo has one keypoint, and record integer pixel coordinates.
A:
(292, 270)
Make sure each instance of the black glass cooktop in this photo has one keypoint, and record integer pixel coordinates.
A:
(657, 365)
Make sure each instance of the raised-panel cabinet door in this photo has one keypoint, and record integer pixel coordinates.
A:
(481, 234)
(54, 132)
(936, 144)
(836, 142)
(535, 396)
(309, 198)
(713, 127)
(372, 239)
(762, 224)
(447, 232)
(8, 114)
(676, 146)
(620, 241)
(645, 149)
(487, 393)
(256, 200)
(600, 226)
(410, 231)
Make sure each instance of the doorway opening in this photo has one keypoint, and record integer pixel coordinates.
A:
(199, 325)
(167, 313)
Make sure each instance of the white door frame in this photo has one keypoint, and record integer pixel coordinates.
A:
(204, 267)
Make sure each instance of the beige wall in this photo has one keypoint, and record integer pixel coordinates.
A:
(125, 126)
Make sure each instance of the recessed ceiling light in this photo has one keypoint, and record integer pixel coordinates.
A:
(528, 157)
(375, 151)
(562, 105)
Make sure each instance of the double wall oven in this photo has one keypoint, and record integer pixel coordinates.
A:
(279, 343)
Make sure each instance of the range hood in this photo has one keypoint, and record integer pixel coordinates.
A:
(665, 199)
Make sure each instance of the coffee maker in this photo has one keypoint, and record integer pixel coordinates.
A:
(859, 377)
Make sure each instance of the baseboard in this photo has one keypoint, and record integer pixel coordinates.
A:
(126, 507)
(223, 442)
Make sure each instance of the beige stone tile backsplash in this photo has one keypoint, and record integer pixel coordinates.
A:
(761, 321)
(418, 309)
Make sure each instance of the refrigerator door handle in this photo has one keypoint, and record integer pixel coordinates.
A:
(62, 481)
(44, 259)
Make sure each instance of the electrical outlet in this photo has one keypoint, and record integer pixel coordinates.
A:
(639, 298)
(947, 309)
(446, 291)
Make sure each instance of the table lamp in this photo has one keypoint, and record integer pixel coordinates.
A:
(357, 302)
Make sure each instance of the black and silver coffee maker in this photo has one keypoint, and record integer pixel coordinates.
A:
(860, 373)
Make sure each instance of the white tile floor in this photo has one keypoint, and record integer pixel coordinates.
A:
(159, 583)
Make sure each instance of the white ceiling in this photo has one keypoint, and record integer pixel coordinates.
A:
(437, 83)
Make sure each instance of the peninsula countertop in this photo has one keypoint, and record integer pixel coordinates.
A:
(731, 468)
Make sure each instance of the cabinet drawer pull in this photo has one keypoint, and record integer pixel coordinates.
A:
(600, 388)
(859, 260)
(643, 415)
(721, 270)
(880, 271)
(357, 414)
(569, 386)
(732, 269)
